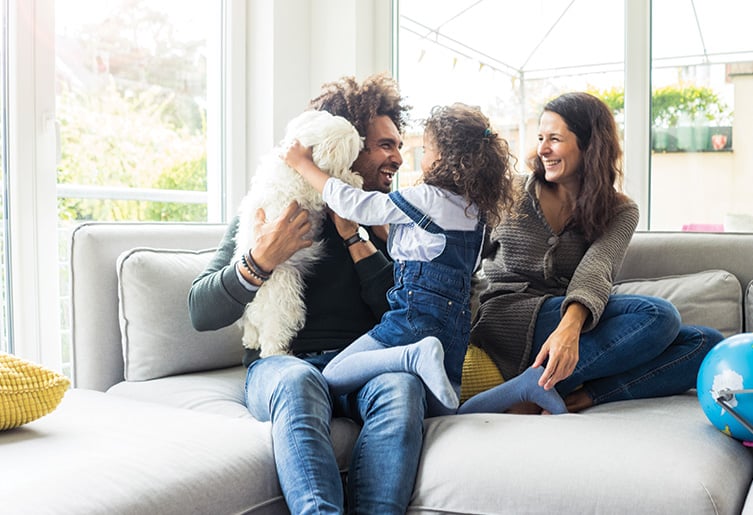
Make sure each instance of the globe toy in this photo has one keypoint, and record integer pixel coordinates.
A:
(725, 386)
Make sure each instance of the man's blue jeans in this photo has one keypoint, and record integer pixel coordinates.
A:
(292, 394)
(638, 349)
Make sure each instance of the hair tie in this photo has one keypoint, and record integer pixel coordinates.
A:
(487, 132)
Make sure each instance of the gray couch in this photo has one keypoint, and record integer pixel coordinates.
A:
(156, 421)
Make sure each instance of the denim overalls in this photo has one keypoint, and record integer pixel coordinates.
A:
(432, 298)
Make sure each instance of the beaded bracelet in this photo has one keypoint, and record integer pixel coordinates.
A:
(253, 274)
(256, 268)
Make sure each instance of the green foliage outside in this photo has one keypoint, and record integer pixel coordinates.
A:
(130, 119)
(189, 175)
(672, 106)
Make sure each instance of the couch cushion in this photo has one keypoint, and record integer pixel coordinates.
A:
(99, 453)
(27, 391)
(712, 298)
(157, 336)
(640, 456)
(221, 392)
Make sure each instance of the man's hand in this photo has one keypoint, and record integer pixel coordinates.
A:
(278, 240)
(345, 228)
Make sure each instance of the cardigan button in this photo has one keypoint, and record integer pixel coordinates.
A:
(552, 240)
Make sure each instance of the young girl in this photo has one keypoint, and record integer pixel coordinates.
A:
(435, 237)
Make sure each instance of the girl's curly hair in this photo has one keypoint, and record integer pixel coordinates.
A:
(377, 95)
(473, 161)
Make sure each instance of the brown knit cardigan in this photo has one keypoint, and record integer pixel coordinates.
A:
(526, 263)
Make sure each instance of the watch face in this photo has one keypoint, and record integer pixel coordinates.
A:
(363, 233)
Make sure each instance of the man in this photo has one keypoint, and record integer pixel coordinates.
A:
(345, 297)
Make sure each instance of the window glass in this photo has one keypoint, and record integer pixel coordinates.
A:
(131, 110)
(702, 113)
(131, 98)
(511, 57)
(508, 58)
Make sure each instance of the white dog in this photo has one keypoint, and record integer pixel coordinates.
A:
(278, 311)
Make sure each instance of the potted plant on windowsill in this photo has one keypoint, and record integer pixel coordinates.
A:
(685, 118)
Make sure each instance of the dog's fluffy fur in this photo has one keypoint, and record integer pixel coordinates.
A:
(278, 311)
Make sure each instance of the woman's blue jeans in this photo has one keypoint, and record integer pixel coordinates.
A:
(292, 394)
(638, 349)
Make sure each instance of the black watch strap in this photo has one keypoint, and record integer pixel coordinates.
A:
(353, 239)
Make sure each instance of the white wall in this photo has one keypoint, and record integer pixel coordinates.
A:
(294, 46)
(742, 138)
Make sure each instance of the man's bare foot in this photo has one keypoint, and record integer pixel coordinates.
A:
(578, 401)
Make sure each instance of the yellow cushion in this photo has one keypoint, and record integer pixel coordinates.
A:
(479, 373)
(27, 391)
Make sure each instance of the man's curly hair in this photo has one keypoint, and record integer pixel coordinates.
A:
(377, 95)
(473, 161)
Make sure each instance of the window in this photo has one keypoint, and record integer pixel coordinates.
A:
(131, 109)
(117, 112)
(701, 90)
(509, 58)
(685, 67)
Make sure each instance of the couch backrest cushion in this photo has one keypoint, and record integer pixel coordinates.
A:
(712, 298)
(660, 254)
(95, 247)
(157, 336)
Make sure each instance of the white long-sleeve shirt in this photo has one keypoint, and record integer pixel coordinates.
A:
(408, 242)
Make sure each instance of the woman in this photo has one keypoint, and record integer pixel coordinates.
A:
(551, 264)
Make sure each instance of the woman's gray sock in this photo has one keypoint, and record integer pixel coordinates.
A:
(523, 388)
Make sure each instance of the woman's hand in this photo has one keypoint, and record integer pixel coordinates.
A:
(276, 241)
(561, 348)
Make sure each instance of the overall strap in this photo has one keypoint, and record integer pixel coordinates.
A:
(420, 218)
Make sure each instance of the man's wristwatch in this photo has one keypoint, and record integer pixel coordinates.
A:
(361, 236)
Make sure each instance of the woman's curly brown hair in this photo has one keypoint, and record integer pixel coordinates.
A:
(473, 161)
(377, 95)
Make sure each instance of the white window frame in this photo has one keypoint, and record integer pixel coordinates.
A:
(33, 205)
(637, 144)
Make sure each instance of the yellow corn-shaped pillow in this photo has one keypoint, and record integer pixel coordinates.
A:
(27, 391)
(479, 373)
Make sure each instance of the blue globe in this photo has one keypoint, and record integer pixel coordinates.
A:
(727, 367)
